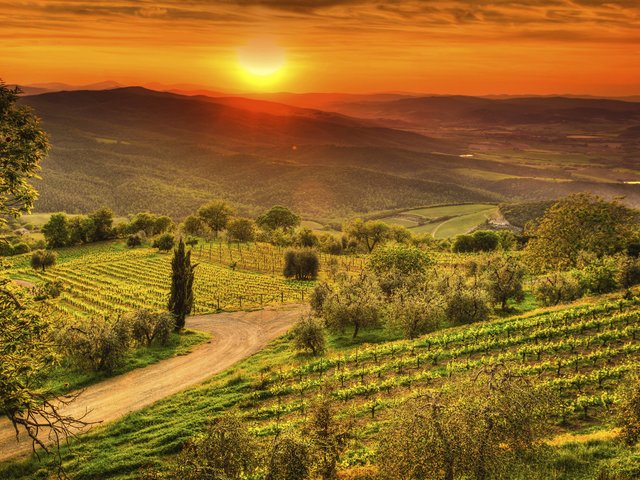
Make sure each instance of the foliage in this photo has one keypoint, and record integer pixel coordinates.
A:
(480, 428)
(578, 223)
(97, 344)
(56, 231)
(467, 304)
(558, 287)
(241, 230)
(328, 435)
(318, 296)
(417, 311)
(355, 302)
(148, 327)
(134, 241)
(628, 408)
(290, 459)
(368, 234)
(598, 274)
(308, 334)
(148, 223)
(215, 215)
(182, 275)
(306, 238)
(193, 225)
(301, 264)
(42, 259)
(396, 265)
(226, 451)
(48, 290)
(278, 217)
(628, 271)
(503, 277)
(23, 145)
(479, 241)
(164, 242)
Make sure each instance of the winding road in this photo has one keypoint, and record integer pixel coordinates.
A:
(235, 336)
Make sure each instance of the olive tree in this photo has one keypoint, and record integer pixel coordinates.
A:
(368, 234)
(503, 278)
(42, 259)
(417, 311)
(308, 334)
(628, 408)
(290, 458)
(148, 327)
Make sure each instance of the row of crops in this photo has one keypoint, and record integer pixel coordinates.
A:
(266, 258)
(580, 352)
(109, 282)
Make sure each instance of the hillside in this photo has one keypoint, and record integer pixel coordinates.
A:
(135, 149)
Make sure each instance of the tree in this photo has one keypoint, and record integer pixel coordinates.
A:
(134, 241)
(241, 230)
(181, 295)
(598, 275)
(479, 241)
(328, 437)
(278, 217)
(162, 224)
(306, 238)
(102, 224)
(226, 451)
(628, 408)
(480, 427)
(148, 327)
(23, 145)
(503, 277)
(56, 231)
(26, 355)
(164, 242)
(215, 215)
(417, 311)
(578, 223)
(42, 259)
(290, 459)
(354, 303)
(628, 271)
(368, 234)
(193, 225)
(467, 304)
(301, 264)
(397, 265)
(308, 335)
(557, 287)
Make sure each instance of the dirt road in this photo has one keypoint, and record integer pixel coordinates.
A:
(236, 336)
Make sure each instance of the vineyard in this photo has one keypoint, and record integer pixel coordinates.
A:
(107, 280)
(580, 352)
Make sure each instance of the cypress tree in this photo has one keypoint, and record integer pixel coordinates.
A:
(181, 296)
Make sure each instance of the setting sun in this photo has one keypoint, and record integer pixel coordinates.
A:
(261, 60)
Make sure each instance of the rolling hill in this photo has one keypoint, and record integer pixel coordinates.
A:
(137, 149)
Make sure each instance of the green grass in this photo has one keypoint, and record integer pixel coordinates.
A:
(462, 224)
(66, 378)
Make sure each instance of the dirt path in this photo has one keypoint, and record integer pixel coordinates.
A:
(236, 336)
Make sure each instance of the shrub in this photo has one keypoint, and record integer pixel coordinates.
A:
(308, 334)
(628, 271)
(20, 248)
(395, 264)
(598, 275)
(503, 277)
(290, 459)
(164, 242)
(97, 344)
(417, 311)
(6, 249)
(318, 296)
(134, 241)
(149, 327)
(330, 244)
(49, 289)
(301, 264)
(479, 241)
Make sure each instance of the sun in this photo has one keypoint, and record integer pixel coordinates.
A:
(261, 60)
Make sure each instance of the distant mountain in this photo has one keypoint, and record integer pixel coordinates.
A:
(474, 111)
(137, 149)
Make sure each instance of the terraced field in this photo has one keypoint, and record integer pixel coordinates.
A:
(443, 221)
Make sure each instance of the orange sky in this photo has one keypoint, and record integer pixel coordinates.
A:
(452, 46)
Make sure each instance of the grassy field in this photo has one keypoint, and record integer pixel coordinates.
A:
(581, 351)
(443, 221)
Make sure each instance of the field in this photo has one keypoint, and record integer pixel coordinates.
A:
(443, 221)
(580, 351)
(108, 279)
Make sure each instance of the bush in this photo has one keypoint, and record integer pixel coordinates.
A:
(50, 289)
(598, 275)
(330, 244)
(241, 230)
(164, 242)
(149, 327)
(301, 264)
(6, 249)
(134, 241)
(308, 335)
(395, 264)
(557, 288)
(318, 296)
(628, 271)
(290, 459)
(20, 248)
(97, 344)
(503, 277)
(479, 241)
(417, 312)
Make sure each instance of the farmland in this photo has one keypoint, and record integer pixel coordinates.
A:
(443, 221)
(579, 351)
(107, 279)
